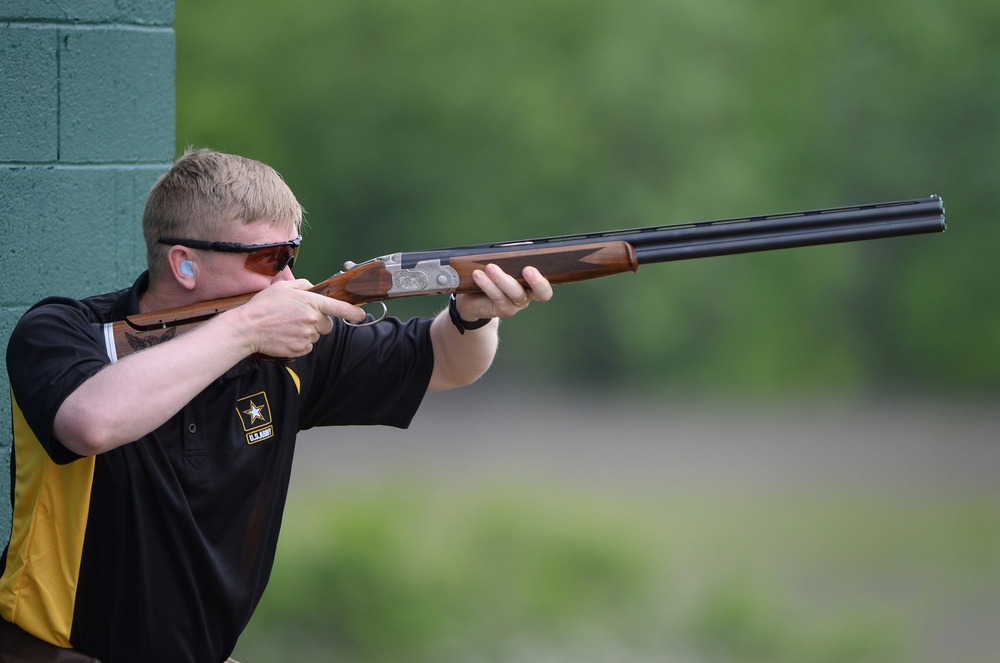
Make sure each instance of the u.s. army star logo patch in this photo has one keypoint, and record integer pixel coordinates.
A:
(255, 415)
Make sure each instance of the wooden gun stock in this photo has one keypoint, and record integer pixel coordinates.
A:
(394, 276)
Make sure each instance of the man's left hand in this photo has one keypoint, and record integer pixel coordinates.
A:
(502, 295)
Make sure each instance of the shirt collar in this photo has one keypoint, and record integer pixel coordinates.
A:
(128, 302)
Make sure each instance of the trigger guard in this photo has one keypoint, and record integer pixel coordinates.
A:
(369, 323)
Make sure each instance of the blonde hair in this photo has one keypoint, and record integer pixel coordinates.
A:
(204, 192)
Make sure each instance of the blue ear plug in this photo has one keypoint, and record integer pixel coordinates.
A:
(187, 268)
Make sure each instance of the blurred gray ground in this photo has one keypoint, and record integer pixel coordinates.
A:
(489, 431)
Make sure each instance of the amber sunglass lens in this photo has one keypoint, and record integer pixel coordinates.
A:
(272, 260)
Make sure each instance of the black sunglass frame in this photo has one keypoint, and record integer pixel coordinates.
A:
(237, 247)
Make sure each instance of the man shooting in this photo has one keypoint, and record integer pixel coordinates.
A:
(148, 491)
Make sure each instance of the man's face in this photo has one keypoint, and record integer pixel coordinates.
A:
(226, 274)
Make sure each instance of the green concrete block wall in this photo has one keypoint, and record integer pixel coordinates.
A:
(86, 127)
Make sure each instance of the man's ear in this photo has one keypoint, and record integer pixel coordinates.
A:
(183, 266)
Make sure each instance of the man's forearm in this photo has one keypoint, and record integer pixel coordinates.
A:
(460, 359)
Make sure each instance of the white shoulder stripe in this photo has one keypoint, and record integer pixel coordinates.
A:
(109, 341)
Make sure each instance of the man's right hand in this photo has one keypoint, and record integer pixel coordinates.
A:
(286, 319)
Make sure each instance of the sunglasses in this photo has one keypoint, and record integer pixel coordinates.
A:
(266, 259)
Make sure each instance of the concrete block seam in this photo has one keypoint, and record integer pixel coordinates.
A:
(70, 25)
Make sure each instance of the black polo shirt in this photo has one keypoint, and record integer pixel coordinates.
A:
(159, 550)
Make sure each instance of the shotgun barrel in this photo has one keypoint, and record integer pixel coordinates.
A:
(740, 235)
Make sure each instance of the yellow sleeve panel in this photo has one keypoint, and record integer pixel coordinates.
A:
(51, 506)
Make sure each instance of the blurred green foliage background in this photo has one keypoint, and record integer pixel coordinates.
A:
(409, 125)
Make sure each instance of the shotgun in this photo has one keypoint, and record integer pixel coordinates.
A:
(562, 259)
